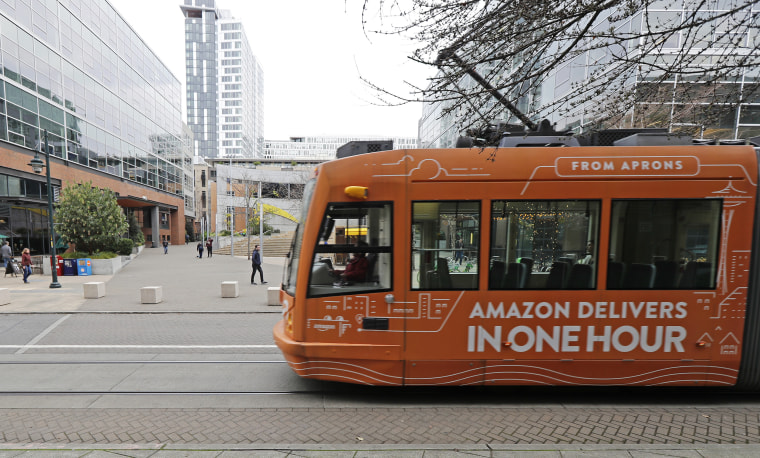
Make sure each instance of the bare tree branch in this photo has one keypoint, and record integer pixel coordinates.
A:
(601, 58)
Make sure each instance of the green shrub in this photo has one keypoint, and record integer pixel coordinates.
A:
(75, 255)
(83, 254)
(124, 246)
(103, 255)
(89, 217)
(135, 233)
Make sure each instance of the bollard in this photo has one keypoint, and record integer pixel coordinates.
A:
(150, 294)
(273, 295)
(229, 289)
(94, 289)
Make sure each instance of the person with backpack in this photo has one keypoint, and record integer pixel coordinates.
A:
(256, 265)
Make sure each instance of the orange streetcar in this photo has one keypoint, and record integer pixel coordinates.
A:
(619, 265)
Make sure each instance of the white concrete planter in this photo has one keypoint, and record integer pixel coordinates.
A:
(106, 266)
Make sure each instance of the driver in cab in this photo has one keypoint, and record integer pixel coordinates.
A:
(356, 269)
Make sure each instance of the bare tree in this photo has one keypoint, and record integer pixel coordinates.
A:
(612, 54)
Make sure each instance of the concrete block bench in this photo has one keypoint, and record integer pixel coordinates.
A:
(94, 289)
(229, 289)
(273, 295)
(5, 296)
(151, 294)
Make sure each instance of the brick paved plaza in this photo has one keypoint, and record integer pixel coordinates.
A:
(383, 426)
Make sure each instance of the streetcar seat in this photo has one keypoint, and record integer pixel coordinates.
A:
(438, 279)
(666, 274)
(517, 275)
(615, 274)
(431, 280)
(496, 275)
(370, 275)
(639, 276)
(529, 268)
(696, 275)
(444, 279)
(581, 276)
(558, 274)
(321, 274)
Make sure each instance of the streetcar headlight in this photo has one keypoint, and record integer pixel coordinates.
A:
(357, 192)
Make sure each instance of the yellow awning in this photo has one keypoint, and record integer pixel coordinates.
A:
(356, 231)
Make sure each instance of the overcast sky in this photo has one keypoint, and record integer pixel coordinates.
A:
(312, 53)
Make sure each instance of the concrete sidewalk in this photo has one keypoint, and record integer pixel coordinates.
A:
(188, 284)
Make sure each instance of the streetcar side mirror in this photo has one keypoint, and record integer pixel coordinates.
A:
(327, 229)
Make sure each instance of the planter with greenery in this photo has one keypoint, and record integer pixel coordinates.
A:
(92, 221)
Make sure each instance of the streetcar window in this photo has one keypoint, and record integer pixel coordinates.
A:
(291, 269)
(353, 253)
(664, 244)
(543, 244)
(445, 248)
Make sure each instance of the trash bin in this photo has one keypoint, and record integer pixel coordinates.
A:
(84, 266)
(69, 267)
(57, 264)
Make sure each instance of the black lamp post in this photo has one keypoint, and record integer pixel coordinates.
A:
(37, 166)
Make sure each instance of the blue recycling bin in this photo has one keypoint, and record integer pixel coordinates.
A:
(69, 267)
(84, 266)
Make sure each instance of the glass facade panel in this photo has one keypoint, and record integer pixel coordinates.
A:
(98, 86)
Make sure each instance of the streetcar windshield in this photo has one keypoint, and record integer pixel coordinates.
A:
(291, 269)
(353, 252)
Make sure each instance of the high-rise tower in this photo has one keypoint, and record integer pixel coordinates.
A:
(224, 83)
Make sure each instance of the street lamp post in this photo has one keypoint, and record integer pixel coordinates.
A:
(37, 166)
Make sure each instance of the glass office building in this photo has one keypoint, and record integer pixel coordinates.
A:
(728, 108)
(76, 69)
(725, 108)
(224, 84)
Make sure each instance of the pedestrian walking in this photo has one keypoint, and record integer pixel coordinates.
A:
(459, 253)
(209, 246)
(166, 246)
(200, 249)
(256, 265)
(6, 253)
(26, 264)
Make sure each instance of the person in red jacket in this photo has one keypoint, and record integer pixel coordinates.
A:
(356, 269)
(26, 264)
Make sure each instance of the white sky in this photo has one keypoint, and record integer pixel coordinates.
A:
(312, 53)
